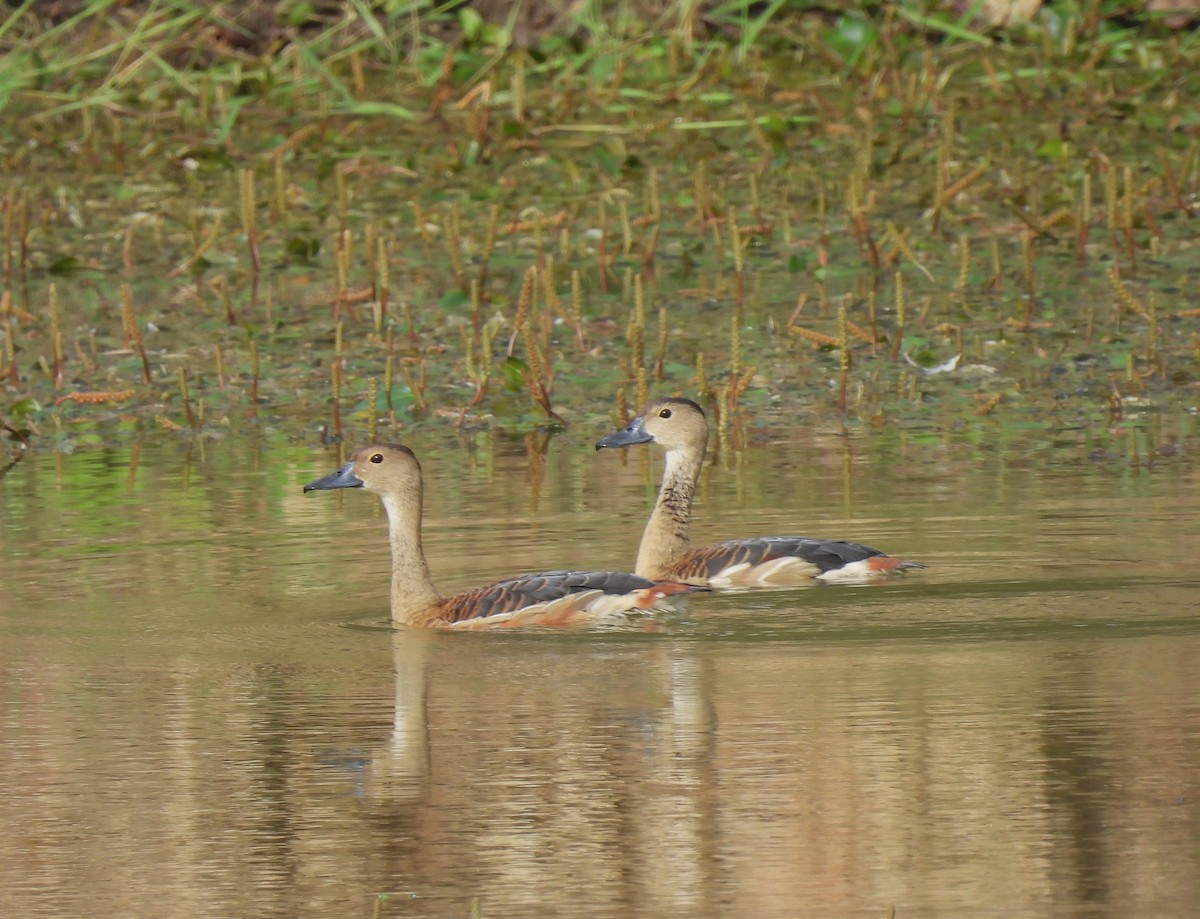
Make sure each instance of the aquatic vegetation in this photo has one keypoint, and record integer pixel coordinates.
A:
(871, 219)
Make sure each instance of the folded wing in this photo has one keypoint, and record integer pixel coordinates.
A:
(784, 561)
(557, 598)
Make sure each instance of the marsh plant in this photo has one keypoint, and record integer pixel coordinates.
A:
(396, 214)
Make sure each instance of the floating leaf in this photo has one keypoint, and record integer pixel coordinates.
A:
(302, 248)
(453, 299)
(65, 264)
(22, 408)
(1053, 149)
(513, 371)
(850, 37)
(471, 24)
(605, 159)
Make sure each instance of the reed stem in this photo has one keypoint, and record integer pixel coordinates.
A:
(187, 402)
(133, 335)
(56, 337)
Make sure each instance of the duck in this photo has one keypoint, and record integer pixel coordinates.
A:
(680, 427)
(548, 598)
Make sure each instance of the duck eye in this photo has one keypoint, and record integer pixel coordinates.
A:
(665, 413)
(376, 457)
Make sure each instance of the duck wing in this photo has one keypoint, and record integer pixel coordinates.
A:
(779, 561)
(557, 598)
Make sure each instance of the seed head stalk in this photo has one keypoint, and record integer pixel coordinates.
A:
(388, 371)
(602, 248)
(489, 246)
(739, 262)
(249, 216)
(1085, 219)
(900, 317)
(1027, 266)
(524, 299)
(56, 337)
(1111, 219)
(253, 378)
(417, 385)
(453, 234)
(382, 281)
(577, 309)
(133, 335)
(843, 357)
(1173, 187)
(626, 226)
(373, 414)
(335, 382)
(339, 176)
(187, 402)
(662, 344)
(8, 368)
(10, 211)
(279, 205)
(1127, 208)
(636, 335)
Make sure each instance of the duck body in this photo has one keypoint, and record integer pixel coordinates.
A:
(783, 561)
(553, 598)
(666, 551)
(549, 598)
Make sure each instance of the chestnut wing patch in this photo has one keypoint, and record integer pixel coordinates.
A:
(823, 554)
(517, 593)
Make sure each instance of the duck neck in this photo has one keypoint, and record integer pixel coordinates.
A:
(412, 587)
(666, 538)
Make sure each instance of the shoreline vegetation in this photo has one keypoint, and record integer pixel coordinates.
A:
(322, 216)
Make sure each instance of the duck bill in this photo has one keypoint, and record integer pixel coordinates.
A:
(632, 433)
(343, 478)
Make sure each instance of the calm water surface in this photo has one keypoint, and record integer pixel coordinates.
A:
(204, 714)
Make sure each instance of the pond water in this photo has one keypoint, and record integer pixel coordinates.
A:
(205, 713)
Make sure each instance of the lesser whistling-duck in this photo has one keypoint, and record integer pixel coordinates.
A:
(666, 551)
(547, 598)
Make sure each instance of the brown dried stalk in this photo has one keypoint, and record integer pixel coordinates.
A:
(56, 337)
(249, 215)
(524, 299)
(535, 382)
(990, 405)
(133, 335)
(187, 402)
(206, 243)
(819, 338)
(96, 398)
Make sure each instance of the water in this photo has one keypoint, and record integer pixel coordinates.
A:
(204, 713)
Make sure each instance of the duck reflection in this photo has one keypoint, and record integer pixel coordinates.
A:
(399, 769)
(526, 762)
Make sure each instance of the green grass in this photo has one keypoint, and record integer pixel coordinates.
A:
(149, 58)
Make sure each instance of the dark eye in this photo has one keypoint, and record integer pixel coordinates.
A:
(376, 457)
(665, 413)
